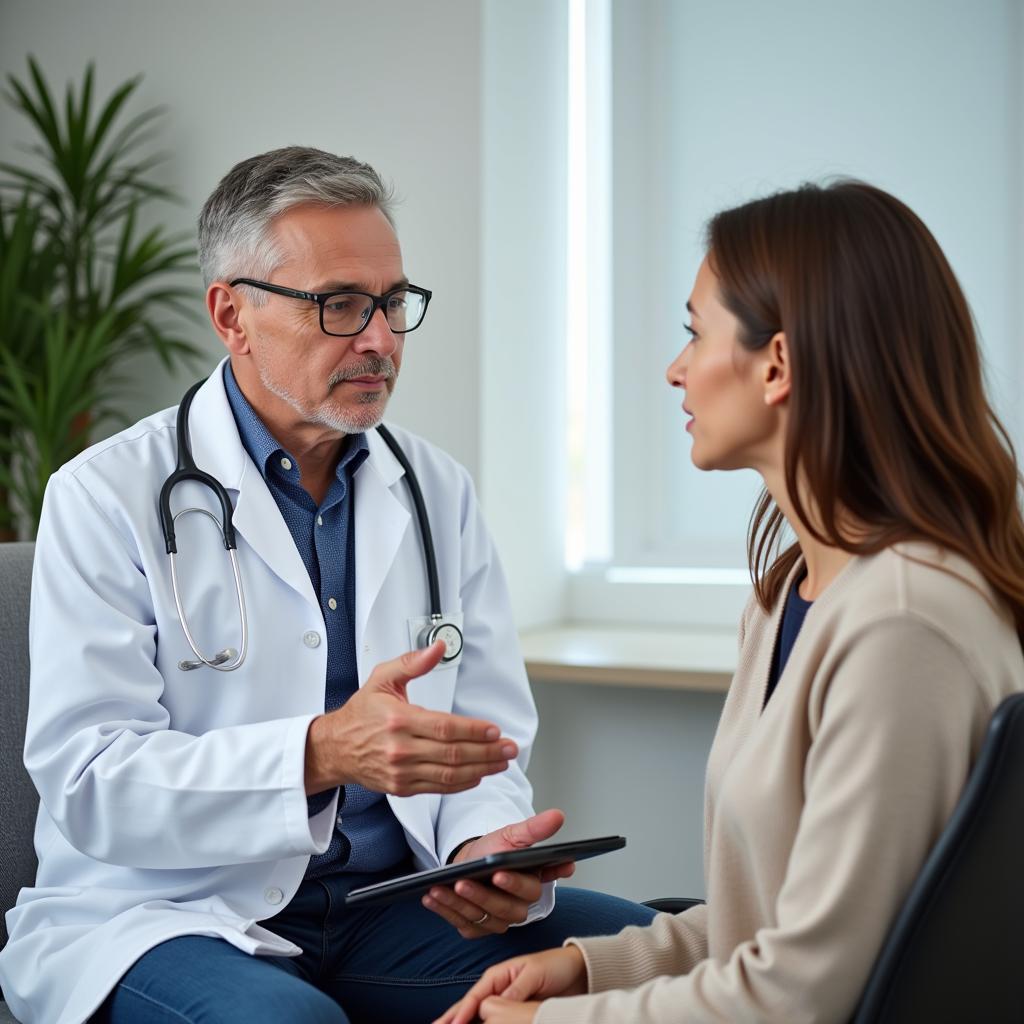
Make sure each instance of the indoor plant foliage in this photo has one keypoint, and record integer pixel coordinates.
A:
(82, 287)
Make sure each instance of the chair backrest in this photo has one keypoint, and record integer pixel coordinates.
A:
(955, 951)
(19, 801)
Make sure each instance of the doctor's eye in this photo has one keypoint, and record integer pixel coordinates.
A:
(346, 313)
(340, 304)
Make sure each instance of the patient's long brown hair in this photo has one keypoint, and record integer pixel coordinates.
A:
(888, 415)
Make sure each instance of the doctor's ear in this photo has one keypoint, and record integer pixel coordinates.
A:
(222, 305)
(776, 370)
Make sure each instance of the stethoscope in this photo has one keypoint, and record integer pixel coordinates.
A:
(436, 627)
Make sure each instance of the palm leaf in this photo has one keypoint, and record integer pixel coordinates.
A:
(82, 290)
(41, 113)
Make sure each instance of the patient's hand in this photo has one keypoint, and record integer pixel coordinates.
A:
(501, 1011)
(502, 993)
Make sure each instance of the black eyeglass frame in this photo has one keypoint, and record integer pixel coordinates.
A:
(321, 298)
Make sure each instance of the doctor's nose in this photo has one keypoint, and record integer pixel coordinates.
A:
(377, 336)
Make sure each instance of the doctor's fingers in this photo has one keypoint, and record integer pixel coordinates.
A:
(472, 899)
(444, 727)
(456, 753)
(427, 777)
(393, 675)
(566, 870)
(471, 924)
(508, 890)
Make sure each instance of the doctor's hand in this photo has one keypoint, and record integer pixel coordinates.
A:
(507, 992)
(476, 908)
(381, 741)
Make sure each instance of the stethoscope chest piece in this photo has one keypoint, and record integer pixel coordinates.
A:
(428, 629)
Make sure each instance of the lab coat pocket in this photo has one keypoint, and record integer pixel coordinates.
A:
(435, 690)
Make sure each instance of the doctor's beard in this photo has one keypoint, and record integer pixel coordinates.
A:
(355, 422)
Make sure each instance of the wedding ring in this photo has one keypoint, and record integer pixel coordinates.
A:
(482, 919)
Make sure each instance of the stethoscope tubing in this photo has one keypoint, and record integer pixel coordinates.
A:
(421, 517)
(186, 469)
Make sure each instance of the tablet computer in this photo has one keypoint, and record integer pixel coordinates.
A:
(542, 856)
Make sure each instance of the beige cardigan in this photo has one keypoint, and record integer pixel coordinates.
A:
(820, 811)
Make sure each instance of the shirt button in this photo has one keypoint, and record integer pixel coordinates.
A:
(339, 821)
(331, 603)
(311, 639)
(286, 463)
(273, 896)
(319, 520)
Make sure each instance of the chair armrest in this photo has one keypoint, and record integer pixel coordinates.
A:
(672, 904)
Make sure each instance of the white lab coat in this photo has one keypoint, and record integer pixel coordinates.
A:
(173, 803)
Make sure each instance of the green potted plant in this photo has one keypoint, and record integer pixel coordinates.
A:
(82, 288)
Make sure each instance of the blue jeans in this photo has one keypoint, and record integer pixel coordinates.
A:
(399, 963)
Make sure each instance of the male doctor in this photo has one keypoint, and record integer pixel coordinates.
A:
(199, 828)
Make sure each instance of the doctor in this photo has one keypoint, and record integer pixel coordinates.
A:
(201, 823)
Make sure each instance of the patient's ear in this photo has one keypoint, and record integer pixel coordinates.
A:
(776, 373)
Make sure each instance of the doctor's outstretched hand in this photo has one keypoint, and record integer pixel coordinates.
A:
(508, 993)
(476, 908)
(379, 740)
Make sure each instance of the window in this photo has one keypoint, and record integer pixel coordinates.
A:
(677, 108)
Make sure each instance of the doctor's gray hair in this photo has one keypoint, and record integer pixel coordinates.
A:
(235, 236)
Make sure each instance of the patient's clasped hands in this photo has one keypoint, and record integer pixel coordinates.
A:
(508, 993)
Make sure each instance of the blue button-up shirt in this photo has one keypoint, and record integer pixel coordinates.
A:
(367, 836)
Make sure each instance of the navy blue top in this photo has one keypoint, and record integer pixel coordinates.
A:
(792, 619)
(372, 839)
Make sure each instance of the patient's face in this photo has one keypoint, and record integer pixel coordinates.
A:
(728, 419)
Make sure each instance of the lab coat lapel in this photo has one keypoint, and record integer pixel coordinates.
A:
(381, 522)
(259, 522)
(218, 450)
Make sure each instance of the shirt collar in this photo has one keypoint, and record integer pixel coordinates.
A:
(262, 446)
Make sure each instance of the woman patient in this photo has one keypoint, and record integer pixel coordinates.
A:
(832, 350)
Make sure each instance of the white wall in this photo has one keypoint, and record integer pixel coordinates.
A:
(392, 82)
(629, 762)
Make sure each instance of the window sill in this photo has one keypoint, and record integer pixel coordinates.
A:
(674, 659)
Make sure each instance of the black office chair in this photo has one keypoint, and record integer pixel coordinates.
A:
(955, 952)
(956, 949)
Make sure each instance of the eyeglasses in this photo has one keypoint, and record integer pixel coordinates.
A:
(344, 314)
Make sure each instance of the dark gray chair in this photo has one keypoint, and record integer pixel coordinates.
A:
(954, 951)
(18, 799)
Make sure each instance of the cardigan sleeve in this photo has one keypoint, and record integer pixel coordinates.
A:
(892, 746)
(671, 944)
